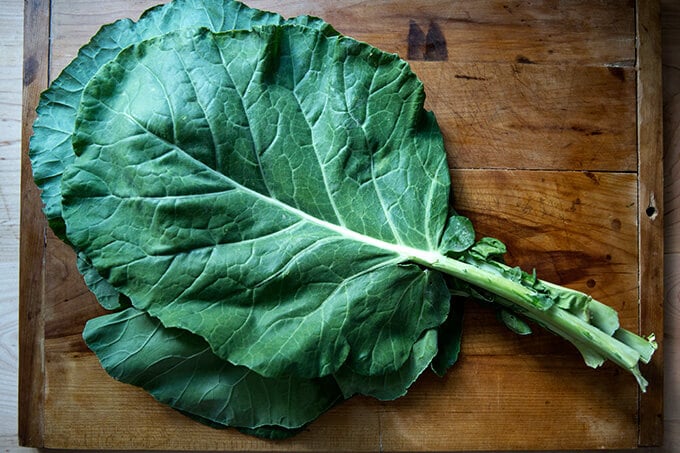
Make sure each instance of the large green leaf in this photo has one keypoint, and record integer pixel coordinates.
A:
(50, 148)
(267, 191)
(392, 385)
(107, 296)
(179, 369)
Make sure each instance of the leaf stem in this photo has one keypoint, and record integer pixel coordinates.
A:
(590, 340)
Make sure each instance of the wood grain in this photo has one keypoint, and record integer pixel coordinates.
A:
(670, 19)
(488, 30)
(32, 245)
(476, 30)
(429, 418)
(11, 36)
(495, 115)
(578, 112)
(553, 172)
(650, 171)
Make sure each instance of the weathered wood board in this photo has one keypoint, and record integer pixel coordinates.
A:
(551, 117)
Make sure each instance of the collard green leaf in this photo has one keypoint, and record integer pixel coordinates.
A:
(107, 296)
(449, 337)
(178, 368)
(395, 384)
(51, 150)
(488, 249)
(513, 322)
(459, 235)
(216, 189)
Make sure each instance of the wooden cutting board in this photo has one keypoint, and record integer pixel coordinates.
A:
(551, 113)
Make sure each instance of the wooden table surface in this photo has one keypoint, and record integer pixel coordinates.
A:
(10, 102)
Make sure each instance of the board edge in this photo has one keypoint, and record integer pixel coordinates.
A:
(31, 421)
(650, 211)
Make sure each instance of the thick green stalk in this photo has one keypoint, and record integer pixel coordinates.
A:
(595, 342)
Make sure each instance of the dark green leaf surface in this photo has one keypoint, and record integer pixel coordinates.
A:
(179, 369)
(459, 235)
(51, 150)
(449, 340)
(107, 296)
(216, 190)
(395, 384)
(514, 323)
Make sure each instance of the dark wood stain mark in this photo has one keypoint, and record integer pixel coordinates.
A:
(521, 59)
(416, 42)
(428, 47)
(31, 67)
(575, 204)
(467, 77)
(586, 131)
(590, 132)
(435, 44)
(593, 177)
(617, 72)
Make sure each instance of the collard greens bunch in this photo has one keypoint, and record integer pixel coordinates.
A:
(263, 205)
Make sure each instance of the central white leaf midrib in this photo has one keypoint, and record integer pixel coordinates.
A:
(408, 253)
(405, 251)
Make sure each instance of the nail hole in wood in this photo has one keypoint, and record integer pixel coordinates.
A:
(651, 210)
